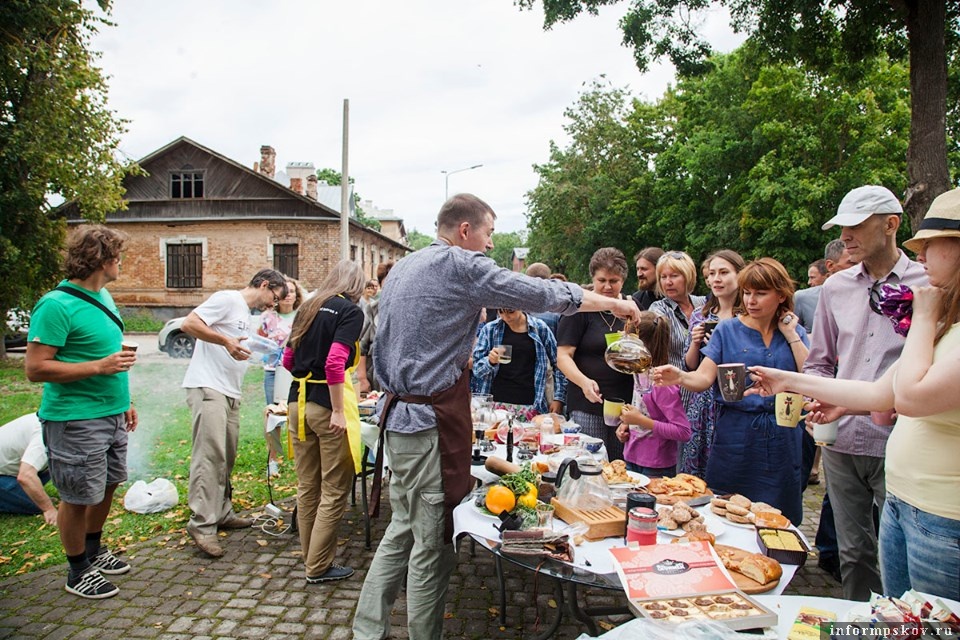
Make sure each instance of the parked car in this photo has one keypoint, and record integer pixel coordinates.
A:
(174, 341)
(18, 324)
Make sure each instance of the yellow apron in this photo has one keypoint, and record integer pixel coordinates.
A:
(350, 410)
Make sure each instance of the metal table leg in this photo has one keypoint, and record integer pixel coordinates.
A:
(498, 563)
(548, 633)
(577, 612)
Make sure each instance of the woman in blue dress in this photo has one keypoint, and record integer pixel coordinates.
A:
(751, 454)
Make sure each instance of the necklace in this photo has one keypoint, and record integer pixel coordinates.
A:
(612, 322)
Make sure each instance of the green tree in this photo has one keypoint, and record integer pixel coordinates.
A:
(823, 34)
(333, 177)
(417, 240)
(576, 206)
(56, 137)
(503, 246)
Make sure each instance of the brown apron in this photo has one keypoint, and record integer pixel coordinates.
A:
(455, 431)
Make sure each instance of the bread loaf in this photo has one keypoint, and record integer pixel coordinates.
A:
(760, 568)
(500, 466)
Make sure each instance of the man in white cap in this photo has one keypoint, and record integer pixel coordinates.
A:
(852, 342)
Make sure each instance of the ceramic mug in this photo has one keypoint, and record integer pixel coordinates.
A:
(788, 409)
(612, 408)
(732, 379)
(825, 434)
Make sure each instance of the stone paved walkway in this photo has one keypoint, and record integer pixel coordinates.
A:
(258, 591)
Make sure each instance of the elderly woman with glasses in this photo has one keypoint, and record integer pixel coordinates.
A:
(518, 383)
(582, 342)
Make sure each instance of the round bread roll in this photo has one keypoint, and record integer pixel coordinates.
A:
(669, 524)
(757, 507)
(720, 503)
(735, 509)
(732, 517)
(743, 501)
(718, 511)
(680, 515)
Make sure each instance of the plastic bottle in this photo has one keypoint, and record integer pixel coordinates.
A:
(546, 435)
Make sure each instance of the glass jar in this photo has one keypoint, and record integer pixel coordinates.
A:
(642, 526)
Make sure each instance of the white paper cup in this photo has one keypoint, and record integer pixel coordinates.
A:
(129, 345)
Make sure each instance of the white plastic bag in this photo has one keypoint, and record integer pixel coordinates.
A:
(159, 495)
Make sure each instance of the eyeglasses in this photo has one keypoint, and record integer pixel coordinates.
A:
(676, 255)
(874, 293)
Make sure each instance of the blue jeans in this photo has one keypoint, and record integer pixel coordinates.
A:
(269, 379)
(14, 500)
(918, 550)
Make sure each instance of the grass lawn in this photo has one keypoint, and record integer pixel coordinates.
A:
(159, 448)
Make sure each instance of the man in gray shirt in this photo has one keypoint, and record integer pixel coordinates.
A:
(429, 310)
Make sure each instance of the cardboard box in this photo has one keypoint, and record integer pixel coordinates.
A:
(682, 582)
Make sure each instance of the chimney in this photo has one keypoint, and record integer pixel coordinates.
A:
(296, 184)
(312, 186)
(268, 161)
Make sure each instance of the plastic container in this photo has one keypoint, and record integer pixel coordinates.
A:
(546, 436)
(783, 556)
(259, 344)
(642, 526)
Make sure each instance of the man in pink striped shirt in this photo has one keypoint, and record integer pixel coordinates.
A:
(852, 342)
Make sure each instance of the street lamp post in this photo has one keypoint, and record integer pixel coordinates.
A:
(446, 182)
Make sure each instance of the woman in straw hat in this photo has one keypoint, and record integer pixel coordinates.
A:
(920, 525)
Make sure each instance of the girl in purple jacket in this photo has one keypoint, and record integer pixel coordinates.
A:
(654, 426)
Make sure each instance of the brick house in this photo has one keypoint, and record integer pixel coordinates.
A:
(518, 259)
(200, 222)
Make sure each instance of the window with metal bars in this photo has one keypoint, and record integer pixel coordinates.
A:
(184, 266)
(286, 259)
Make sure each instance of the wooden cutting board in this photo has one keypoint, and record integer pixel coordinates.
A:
(602, 523)
(745, 584)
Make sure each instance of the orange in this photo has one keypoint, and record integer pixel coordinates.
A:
(500, 498)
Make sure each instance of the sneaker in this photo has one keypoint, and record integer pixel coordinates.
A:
(106, 562)
(273, 469)
(335, 572)
(90, 584)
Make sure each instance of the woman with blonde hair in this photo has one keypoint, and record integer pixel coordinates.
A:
(751, 454)
(676, 280)
(323, 415)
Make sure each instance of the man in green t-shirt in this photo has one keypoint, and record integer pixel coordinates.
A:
(75, 348)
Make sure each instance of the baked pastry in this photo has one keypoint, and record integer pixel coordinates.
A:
(616, 472)
(719, 511)
(757, 507)
(694, 526)
(669, 524)
(743, 501)
(720, 503)
(735, 509)
(698, 484)
(770, 519)
(760, 568)
(732, 517)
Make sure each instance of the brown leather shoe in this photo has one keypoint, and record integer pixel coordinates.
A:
(236, 522)
(208, 544)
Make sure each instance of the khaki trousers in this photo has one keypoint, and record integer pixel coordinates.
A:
(412, 546)
(216, 429)
(325, 470)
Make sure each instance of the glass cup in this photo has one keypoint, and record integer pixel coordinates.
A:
(506, 353)
(545, 515)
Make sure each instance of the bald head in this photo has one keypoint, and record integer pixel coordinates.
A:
(538, 270)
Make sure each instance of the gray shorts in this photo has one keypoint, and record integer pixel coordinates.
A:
(86, 456)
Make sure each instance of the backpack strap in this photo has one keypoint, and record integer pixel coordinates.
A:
(83, 296)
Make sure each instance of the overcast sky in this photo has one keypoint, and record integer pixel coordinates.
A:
(433, 85)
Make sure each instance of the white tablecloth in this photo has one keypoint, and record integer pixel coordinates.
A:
(594, 556)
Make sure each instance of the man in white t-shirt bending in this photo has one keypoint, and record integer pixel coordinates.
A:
(23, 469)
(213, 382)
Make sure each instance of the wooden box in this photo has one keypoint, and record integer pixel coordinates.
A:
(602, 523)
